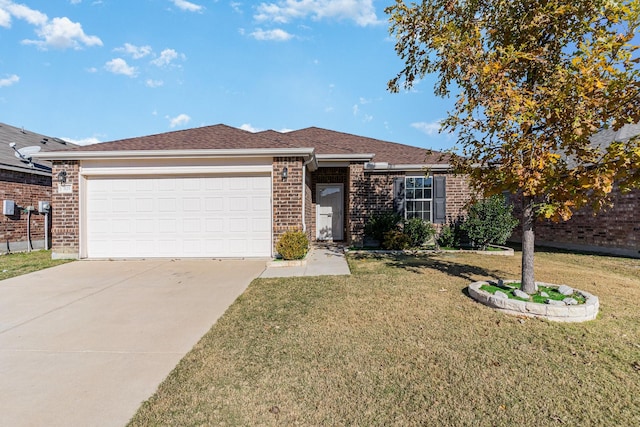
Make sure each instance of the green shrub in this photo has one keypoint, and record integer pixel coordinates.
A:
(489, 222)
(419, 231)
(379, 224)
(293, 245)
(452, 235)
(447, 237)
(395, 240)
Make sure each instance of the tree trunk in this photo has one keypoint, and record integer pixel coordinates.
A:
(528, 284)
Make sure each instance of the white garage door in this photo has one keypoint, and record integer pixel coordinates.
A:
(213, 216)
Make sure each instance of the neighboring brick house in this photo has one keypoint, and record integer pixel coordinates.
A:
(219, 191)
(25, 183)
(614, 230)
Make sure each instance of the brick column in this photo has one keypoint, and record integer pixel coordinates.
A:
(65, 227)
(287, 196)
(356, 210)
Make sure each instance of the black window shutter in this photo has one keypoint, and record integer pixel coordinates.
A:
(439, 200)
(398, 195)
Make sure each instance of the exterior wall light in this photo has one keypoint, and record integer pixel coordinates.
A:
(285, 173)
(62, 177)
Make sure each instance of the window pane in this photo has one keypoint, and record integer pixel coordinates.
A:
(410, 194)
(427, 182)
(419, 194)
(419, 182)
(427, 193)
(411, 183)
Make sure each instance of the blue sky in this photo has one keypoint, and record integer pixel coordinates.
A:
(95, 71)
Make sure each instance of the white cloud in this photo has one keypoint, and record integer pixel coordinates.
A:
(355, 109)
(83, 141)
(249, 128)
(362, 12)
(136, 52)
(165, 58)
(186, 5)
(367, 118)
(427, 128)
(25, 13)
(179, 120)
(92, 70)
(236, 6)
(62, 33)
(154, 83)
(5, 18)
(75, 1)
(59, 33)
(276, 35)
(120, 66)
(8, 81)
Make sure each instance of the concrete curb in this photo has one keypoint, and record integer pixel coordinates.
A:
(568, 313)
(290, 262)
(504, 252)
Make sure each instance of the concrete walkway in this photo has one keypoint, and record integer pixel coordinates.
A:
(85, 343)
(322, 260)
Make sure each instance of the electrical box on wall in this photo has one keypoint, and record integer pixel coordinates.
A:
(43, 207)
(8, 207)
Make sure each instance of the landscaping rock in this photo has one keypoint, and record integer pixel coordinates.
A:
(554, 302)
(570, 301)
(565, 290)
(521, 294)
(544, 294)
(501, 295)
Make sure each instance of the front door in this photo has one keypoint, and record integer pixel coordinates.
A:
(329, 212)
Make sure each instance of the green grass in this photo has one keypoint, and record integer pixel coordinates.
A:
(551, 292)
(17, 264)
(399, 343)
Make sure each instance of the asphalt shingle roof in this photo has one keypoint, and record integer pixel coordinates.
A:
(209, 137)
(225, 137)
(24, 138)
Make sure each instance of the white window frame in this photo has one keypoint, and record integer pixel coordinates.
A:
(423, 199)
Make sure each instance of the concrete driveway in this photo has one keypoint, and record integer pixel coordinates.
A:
(85, 343)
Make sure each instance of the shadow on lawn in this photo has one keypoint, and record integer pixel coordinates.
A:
(417, 264)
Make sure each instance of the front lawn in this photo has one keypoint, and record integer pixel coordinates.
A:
(399, 343)
(19, 263)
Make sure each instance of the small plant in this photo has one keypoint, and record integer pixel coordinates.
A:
(293, 245)
(446, 237)
(489, 221)
(419, 231)
(379, 224)
(395, 240)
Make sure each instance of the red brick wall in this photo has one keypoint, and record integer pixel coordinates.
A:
(24, 189)
(614, 230)
(287, 196)
(373, 193)
(458, 196)
(66, 213)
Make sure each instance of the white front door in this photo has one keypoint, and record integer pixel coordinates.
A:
(329, 209)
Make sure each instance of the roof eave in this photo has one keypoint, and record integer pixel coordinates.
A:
(382, 167)
(363, 157)
(306, 153)
(30, 171)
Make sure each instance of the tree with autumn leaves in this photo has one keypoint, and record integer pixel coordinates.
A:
(534, 80)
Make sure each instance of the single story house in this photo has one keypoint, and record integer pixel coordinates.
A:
(219, 191)
(24, 182)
